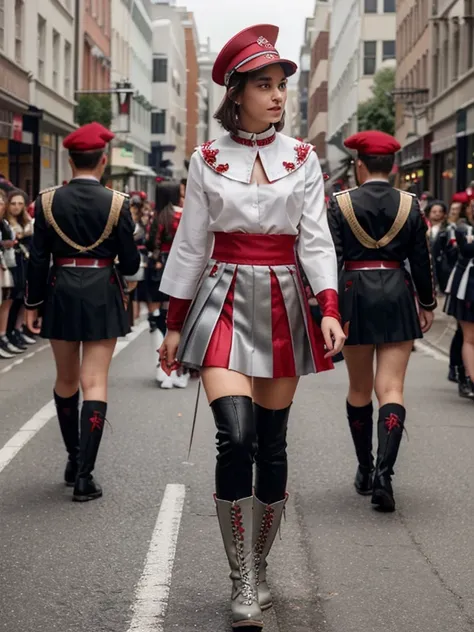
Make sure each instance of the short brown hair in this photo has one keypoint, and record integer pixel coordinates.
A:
(228, 112)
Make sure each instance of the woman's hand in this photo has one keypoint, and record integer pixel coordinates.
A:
(426, 320)
(169, 348)
(333, 336)
(31, 317)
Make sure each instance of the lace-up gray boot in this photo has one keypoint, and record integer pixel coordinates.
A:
(236, 523)
(266, 522)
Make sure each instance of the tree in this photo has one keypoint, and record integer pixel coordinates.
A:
(94, 107)
(379, 111)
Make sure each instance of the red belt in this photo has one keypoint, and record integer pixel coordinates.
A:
(165, 248)
(372, 265)
(82, 262)
(254, 250)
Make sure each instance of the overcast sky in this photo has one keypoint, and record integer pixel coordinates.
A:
(221, 19)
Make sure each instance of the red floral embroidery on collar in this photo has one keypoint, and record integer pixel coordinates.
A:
(301, 150)
(260, 142)
(210, 156)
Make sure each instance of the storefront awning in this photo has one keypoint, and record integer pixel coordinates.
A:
(143, 170)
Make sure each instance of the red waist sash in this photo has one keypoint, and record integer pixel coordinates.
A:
(82, 262)
(372, 265)
(254, 250)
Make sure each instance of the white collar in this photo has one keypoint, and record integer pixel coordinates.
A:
(234, 156)
(86, 177)
(376, 180)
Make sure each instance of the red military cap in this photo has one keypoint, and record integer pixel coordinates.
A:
(90, 137)
(251, 49)
(373, 142)
(461, 197)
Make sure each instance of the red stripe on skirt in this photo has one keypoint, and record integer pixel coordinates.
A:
(283, 356)
(316, 338)
(220, 344)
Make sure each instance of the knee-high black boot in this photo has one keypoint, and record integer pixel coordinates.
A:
(236, 443)
(390, 430)
(361, 426)
(271, 458)
(160, 321)
(92, 426)
(67, 409)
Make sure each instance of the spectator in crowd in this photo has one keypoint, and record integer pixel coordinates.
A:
(7, 265)
(22, 225)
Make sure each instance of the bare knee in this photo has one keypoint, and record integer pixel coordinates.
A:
(389, 390)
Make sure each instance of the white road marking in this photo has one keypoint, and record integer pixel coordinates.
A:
(22, 358)
(430, 351)
(41, 418)
(153, 589)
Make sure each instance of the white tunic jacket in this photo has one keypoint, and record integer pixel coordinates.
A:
(221, 198)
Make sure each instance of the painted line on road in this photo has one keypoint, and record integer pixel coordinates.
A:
(431, 351)
(23, 358)
(41, 418)
(153, 589)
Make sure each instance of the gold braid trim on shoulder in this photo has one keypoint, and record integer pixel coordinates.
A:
(112, 220)
(345, 204)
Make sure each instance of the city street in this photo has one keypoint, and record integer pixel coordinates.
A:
(147, 557)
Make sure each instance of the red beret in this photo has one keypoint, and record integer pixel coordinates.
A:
(90, 137)
(373, 142)
(461, 197)
(251, 49)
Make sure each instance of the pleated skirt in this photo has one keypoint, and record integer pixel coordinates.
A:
(460, 291)
(250, 313)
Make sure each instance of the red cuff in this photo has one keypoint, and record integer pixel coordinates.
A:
(328, 301)
(177, 312)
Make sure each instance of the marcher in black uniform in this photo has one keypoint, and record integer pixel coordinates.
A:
(83, 226)
(375, 229)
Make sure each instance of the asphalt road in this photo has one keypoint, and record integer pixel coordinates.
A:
(339, 566)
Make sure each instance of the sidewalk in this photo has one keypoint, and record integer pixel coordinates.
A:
(442, 331)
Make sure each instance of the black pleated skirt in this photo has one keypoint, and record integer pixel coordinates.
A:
(460, 293)
(84, 304)
(378, 306)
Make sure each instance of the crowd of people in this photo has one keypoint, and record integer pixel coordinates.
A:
(450, 236)
(16, 231)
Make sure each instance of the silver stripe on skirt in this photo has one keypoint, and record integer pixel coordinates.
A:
(252, 340)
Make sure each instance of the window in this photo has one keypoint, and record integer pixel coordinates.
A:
(160, 69)
(158, 122)
(2, 24)
(388, 50)
(389, 6)
(370, 58)
(41, 52)
(56, 58)
(456, 55)
(67, 69)
(173, 123)
(178, 89)
(370, 6)
(469, 11)
(178, 128)
(18, 31)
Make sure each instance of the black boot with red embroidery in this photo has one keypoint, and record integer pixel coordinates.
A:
(361, 427)
(92, 427)
(390, 431)
(68, 415)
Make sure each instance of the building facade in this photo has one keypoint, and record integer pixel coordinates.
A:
(318, 78)
(131, 86)
(412, 93)
(16, 143)
(95, 46)
(450, 110)
(214, 93)
(168, 118)
(192, 84)
(361, 42)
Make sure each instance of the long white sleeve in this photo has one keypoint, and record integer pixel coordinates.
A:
(315, 245)
(191, 246)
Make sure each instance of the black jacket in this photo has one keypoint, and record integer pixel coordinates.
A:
(376, 205)
(81, 209)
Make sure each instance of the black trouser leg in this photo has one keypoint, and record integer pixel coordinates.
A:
(92, 427)
(67, 409)
(236, 444)
(390, 431)
(361, 427)
(455, 351)
(271, 457)
(160, 321)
